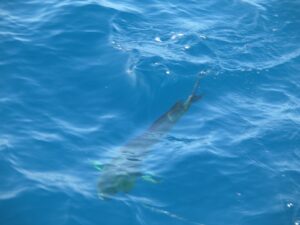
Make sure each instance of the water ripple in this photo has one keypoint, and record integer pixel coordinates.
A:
(66, 102)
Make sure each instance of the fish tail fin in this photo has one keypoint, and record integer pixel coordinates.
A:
(196, 86)
(193, 97)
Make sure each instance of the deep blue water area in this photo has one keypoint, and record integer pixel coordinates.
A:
(80, 80)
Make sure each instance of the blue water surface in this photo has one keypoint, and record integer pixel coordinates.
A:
(79, 79)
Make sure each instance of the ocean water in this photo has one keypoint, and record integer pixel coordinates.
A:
(80, 79)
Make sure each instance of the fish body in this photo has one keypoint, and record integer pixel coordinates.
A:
(123, 171)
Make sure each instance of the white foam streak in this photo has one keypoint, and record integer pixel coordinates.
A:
(12, 193)
(75, 129)
(54, 181)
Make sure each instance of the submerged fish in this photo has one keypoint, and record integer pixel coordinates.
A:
(123, 171)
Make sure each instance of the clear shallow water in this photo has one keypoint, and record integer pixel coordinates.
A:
(79, 79)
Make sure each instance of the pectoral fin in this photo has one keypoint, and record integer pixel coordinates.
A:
(98, 166)
(151, 178)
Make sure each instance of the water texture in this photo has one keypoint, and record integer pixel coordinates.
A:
(80, 79)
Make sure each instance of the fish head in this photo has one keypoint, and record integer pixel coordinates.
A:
(112, 184)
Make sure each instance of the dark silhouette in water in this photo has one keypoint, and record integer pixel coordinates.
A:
(123, 171)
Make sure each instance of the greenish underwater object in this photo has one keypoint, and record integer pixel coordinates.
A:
(123, 171)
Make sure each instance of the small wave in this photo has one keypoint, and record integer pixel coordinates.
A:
(46, 136)
(75, 129)
(12, 193)
(121, 7)
(256, 3)
(62, 181)
(5, 142)
(154, 206)
(229, 41)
